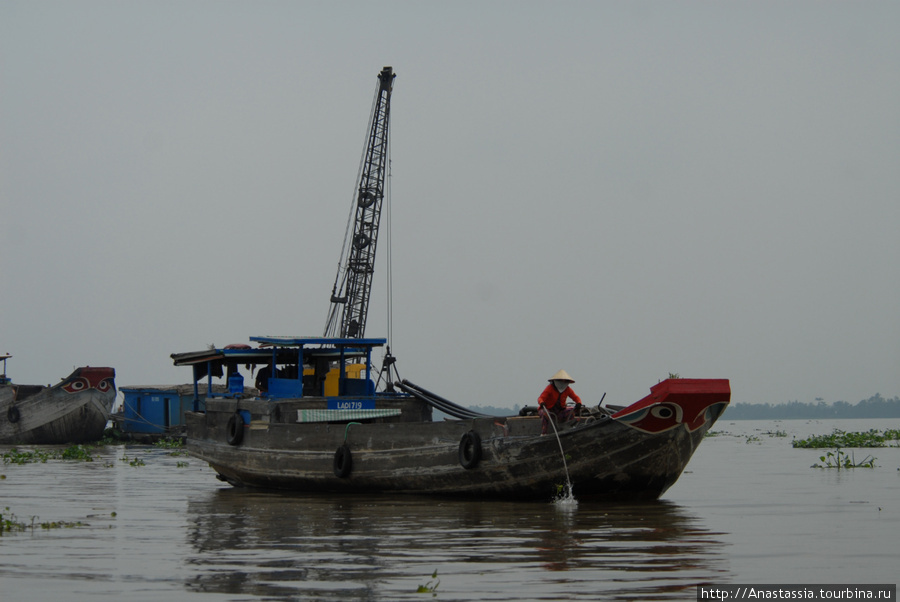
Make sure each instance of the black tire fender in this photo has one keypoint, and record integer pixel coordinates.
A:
(13, 415)
(234, 432)
(470, 450)
(343, 462)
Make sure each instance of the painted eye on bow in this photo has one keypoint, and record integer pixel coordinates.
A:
(664, 412)
(78, 384)
(103, 385)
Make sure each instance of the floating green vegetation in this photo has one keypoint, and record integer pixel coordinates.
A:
(111, 436)
(839, 438)
(10, 523)
(61, 524)
(132, 461)
(840, 460)
(17, 456)
(78, 452)
(27, 456)
(169, 443)
(176, 445)
(431, 586)
(181, 465)
(754, 438)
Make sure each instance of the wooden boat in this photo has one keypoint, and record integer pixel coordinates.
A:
(74, 410)
(299, 435)
(320, 422)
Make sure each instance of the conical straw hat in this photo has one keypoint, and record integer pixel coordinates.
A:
(562, 375)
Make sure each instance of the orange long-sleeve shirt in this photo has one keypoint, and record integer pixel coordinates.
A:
(550, 398)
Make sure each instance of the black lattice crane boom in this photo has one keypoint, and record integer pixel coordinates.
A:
(353, 284)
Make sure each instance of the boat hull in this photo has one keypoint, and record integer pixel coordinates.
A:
(603, 457)
(76, 410)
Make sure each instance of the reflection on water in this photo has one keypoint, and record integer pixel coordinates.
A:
(152, 526)
(161, 527)
(281, 545)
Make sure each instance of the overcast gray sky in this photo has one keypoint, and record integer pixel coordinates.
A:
(619, 189)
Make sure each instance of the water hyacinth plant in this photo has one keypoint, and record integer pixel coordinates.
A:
(169, 443)
(839, 438)
(431, 586)
(840, 460)
(10, 523)
(27, 456)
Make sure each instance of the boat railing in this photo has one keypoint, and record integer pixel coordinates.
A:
(3, 379)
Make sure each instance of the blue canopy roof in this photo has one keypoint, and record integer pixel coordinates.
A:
(325, 341)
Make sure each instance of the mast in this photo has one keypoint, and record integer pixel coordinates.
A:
(353, 283)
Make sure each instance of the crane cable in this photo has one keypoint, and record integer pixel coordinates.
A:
(390, 265)
(389, 362)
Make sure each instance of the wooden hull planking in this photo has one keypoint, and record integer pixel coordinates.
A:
(76, 410)
(604, 457)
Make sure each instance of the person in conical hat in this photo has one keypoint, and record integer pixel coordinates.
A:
(561, 375)
(552, 401)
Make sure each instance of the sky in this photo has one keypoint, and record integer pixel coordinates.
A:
(620, 189)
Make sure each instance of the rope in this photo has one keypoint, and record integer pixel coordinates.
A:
(561, 450)
(347, 430)
(144, 421)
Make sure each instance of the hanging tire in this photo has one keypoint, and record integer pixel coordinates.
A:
(234, 432)
(343, 462)
(12, 414)
(470, 450)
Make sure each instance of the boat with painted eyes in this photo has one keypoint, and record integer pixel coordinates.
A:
(315, 423)
(75, 410)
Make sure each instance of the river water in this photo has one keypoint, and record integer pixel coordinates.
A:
(138, 523)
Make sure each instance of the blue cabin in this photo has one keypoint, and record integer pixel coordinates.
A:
(286, 368)
(157, 409)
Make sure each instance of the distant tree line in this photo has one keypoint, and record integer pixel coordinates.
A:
(496, 410)
(873, 407)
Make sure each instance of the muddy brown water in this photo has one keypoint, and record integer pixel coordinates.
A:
(140, 524)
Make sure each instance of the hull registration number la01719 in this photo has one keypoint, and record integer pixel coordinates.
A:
(351, 404)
